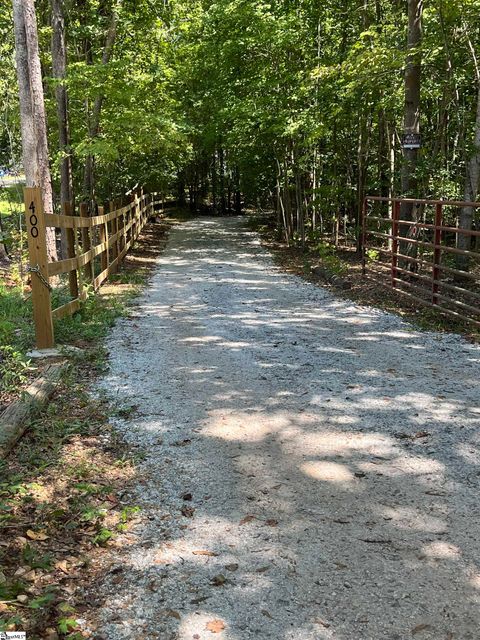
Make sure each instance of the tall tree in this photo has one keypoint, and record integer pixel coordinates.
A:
(59, 67)
(472, 175)
(94, 115)
(413, 72)
(32, 108)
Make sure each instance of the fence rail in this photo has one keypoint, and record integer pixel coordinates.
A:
(95, 247)
(421, 257)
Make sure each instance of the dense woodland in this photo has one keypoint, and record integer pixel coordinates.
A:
(296, 106)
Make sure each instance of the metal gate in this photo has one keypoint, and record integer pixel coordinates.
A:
(417, 247)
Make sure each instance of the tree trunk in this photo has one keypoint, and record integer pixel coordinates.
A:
(59, 69)
(222, 180)
(472, 179)
(412, 98)
(214, 181)
(32, 109)
(94, 117)
(181, 201)
(238, 194)
(362, 152)
(411, 110)
(4, 257)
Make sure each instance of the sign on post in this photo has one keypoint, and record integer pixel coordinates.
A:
(411, 140)
(37, 250)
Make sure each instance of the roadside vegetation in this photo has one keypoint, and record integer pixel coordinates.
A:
(62, 490)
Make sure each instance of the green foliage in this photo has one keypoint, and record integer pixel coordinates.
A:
(329, 259)
(284, 89)
(40, 602)
(15, 318)
(65, 625)
(34, 559)
(372, 254)
(96, 316)
(14, 369)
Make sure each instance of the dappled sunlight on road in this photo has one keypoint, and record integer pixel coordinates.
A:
(329, 455)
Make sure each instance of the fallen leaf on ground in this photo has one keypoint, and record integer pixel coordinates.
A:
(375, 540)
(420, 627)
(205, 553)
(188, 511)
(37, 535)
(266, 613)
(187, 496)
(62, 565)
(271, 522)
(246, 519)
(215, 626)
(172, 614)
(323, 623)
(218, 580)
(231, 567)
(30, 575)
(182, 443)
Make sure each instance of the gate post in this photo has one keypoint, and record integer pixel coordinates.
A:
(395, 244)
(38, 257)
(363, 235)
(437, 252)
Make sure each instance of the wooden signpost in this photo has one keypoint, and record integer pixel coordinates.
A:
(105, 240)
(37, 249)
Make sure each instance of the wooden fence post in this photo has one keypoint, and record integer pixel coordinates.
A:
(136, 210)
(116, 244)
(37, 250)
(105, 255)
(70, 237)
(87, 243)
(364, 236)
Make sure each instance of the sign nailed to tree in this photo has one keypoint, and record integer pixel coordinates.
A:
(411, 141)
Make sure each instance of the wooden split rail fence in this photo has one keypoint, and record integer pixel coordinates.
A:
(422, 258)
(95, 247)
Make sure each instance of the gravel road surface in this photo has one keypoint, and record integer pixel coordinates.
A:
(311, 467)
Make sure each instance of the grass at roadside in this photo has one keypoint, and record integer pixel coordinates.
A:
(61, 499)
(63, 489)
(11, 199)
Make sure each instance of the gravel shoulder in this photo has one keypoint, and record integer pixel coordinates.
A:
(310, 466)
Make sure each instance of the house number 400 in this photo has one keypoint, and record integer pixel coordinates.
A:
(33, 221)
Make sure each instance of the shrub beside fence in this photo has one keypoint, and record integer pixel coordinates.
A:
(95, 247)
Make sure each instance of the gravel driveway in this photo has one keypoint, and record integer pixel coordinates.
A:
(311, 466)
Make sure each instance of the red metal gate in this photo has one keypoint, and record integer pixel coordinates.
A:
(419, 254)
